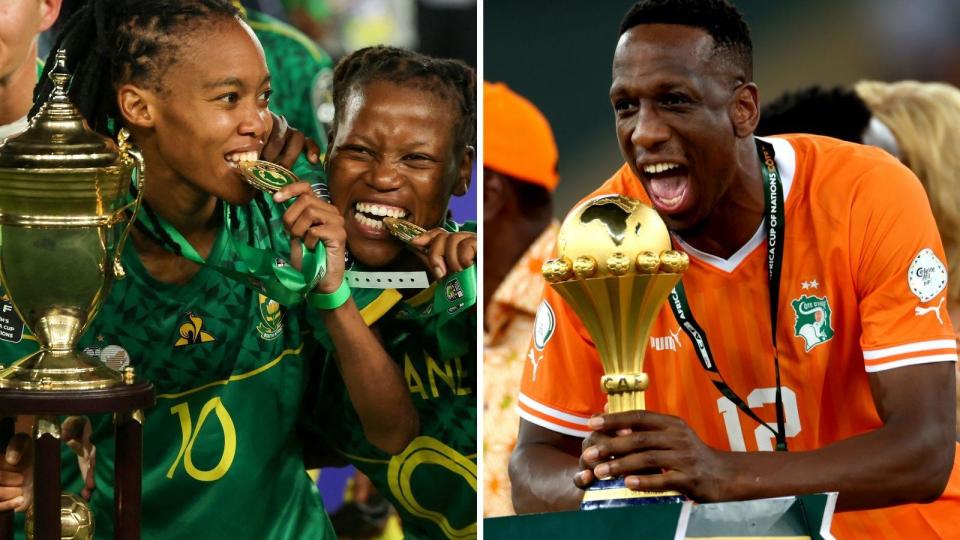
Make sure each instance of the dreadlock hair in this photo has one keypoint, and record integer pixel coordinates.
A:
(723, 21)
(112, 42)
(451, 80)
(834, 112)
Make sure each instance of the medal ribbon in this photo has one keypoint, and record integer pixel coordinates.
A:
(259, 269)
(453, 295)
(774, 223)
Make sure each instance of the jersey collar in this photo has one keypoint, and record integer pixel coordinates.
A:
(786, 158)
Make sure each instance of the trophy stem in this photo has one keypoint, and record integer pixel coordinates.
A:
(49, 369)
(626, 401)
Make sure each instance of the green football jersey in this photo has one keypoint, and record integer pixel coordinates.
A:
(296, 66)
(221, 456)
(433, 482)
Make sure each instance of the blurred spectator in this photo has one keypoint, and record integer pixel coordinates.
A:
(343, 26)
(21, 22)
(916, 122)
(519, 176)
(301, 74)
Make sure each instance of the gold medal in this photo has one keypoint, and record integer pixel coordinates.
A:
(402, 229)
(266, 176)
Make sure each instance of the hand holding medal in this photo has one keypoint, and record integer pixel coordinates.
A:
(443, 251)
(313, 222)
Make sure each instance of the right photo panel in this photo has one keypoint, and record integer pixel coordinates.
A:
(720, 240)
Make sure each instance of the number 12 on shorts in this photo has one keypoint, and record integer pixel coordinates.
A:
(759, 398)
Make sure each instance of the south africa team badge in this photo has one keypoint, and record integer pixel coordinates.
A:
(271, 318)
(813, 322)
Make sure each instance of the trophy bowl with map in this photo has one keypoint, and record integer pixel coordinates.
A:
(615, 268)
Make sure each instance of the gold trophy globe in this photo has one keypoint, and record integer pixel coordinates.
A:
(615, 268)
(65, 212)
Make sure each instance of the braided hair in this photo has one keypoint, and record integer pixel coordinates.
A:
(113, 42)
(451, 80)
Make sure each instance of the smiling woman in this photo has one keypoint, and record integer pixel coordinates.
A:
(401, 146)
(196, 316)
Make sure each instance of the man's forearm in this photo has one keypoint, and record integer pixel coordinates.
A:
(876, 469)
(373, 380)
(541, 477)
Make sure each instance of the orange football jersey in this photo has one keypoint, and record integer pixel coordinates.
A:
(862, 289)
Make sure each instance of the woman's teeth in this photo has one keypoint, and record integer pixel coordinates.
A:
(371, 215)
(380, 210)
(367, 222)
(236, 157)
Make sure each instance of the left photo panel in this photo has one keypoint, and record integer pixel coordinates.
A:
(238, 269)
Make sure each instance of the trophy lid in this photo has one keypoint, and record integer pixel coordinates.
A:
(58, 136)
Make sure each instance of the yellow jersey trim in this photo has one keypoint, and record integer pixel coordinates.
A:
(423, 296)
(372, 460)
(380, 305)
(237, 377)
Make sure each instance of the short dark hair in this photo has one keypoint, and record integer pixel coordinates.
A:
(719, 18)
(451, 80)
(835, 112)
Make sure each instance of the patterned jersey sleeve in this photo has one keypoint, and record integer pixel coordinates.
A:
(560, 388)
(901, 276)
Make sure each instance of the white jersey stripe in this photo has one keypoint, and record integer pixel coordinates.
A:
(550, 425)
(918, 346)
(549, 411)
(912, 361)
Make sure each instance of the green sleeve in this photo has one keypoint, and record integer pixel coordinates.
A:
(295, 63)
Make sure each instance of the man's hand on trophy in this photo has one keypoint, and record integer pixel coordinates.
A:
(445, 252)
(16, 474)
(286, 143)
(637, 444)
(314, 221)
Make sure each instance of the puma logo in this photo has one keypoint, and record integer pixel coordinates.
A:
(535, 362)
(919, 310)
(666, 343)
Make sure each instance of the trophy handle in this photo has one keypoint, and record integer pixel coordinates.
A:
(129, 151)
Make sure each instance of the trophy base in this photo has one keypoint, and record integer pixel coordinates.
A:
(614, 493)
(59, 370)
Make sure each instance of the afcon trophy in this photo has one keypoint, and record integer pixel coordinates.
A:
(66, 209)
(615, 269)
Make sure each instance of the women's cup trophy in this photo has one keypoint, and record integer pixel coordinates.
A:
(65, 212)
(615, 269)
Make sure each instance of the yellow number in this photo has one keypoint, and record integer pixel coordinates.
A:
(189, 436)
(427, 450)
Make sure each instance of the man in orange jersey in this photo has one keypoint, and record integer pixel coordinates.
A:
(856, 381)
(519, 176)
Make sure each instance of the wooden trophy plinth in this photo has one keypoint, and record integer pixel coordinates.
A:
(126, 402)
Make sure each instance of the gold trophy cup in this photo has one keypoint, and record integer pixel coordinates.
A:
(615, 269)
(63, 201)
(64, 204)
